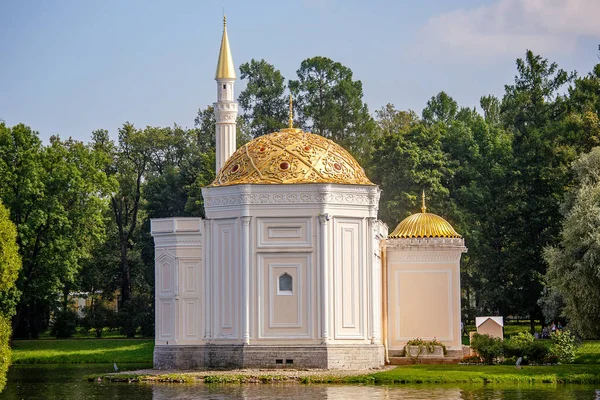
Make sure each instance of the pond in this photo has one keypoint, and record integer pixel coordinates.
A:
(66, 382)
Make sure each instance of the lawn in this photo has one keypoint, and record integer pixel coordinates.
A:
(485, 374)
(106, 334)
(588, 353)
(82, 351)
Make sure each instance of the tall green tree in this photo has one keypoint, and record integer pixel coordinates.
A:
(532, 111)
(440, 109)
(479, 154)
(205, 129)
(125, 163)
(10, 264)
(582, 125)
(330, 103)
(409, 159)
(573, 267)
(54, 197)
(263, 102)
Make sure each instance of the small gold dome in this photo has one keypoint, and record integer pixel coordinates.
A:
(291, 156)
(424, 225)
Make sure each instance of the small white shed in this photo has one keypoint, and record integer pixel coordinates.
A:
(492, 326)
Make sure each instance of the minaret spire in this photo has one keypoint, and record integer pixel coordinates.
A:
(225, 68)
(226, 109)
(423, 208)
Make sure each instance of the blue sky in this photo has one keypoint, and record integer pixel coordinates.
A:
(69, 67)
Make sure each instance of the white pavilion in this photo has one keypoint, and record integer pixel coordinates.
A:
(291, 267)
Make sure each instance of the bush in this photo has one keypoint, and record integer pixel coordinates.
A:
(5, 353)
(426, 346)
(64, 324)
(489, 348)
(551, 359)
(563, 346)
(98, 317)
(524, 345)
(137, 315)
(471, 359)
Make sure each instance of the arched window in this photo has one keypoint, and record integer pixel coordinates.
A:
(286, 284)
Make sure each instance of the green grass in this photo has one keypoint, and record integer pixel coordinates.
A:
(512, 328)
(484, 374)
(91, 334)
(85, 351)
(588, 353)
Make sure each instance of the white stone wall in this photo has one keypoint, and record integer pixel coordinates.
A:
(322, 236)
(178, 272)
(424, 291)
(218, 279)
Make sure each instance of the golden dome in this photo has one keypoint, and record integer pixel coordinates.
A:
(424, 225)
(291, 156)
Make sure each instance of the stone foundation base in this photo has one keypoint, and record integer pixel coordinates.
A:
(260, 356)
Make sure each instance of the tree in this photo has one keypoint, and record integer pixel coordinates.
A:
(479, 155)
(54, 197)
(573, 267)
(441, 108)
(329, 103)
(10, 264)
(582, 125)
(205, 129)
(409, 160)
(263, 100)
(125, 164)
(491, 109)
(532, 111)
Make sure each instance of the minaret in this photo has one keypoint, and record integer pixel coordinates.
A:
(226, 109)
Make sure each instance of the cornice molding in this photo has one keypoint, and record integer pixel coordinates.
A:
(238, 195)
(427, 244)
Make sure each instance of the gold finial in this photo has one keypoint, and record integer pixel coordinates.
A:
(224, 21)
(290, 128)
(291, 121)
(423, 208)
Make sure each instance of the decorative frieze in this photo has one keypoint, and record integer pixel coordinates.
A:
(423, 244)
(260, 194)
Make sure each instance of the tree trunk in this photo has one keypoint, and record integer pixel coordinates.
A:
(125, 274)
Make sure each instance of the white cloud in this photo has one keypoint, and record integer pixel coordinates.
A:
(508, 27)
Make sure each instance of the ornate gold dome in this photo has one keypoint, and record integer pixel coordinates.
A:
(291, 156)
(424, 225)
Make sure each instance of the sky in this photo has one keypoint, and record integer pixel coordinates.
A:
(69, 67)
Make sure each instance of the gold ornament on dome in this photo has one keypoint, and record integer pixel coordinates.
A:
(424, 225)
(291, 156)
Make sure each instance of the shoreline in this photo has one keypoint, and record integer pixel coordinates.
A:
(240, 375)
(410, 374)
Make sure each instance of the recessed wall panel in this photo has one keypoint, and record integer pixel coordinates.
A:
(284, 232)
(227, 279)
(167, 320)
(349, 280)
(285, 313)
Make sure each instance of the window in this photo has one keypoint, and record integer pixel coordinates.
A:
(224, 86)
(286, 285)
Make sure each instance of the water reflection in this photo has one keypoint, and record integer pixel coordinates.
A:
(66, 382)
(292, 392)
